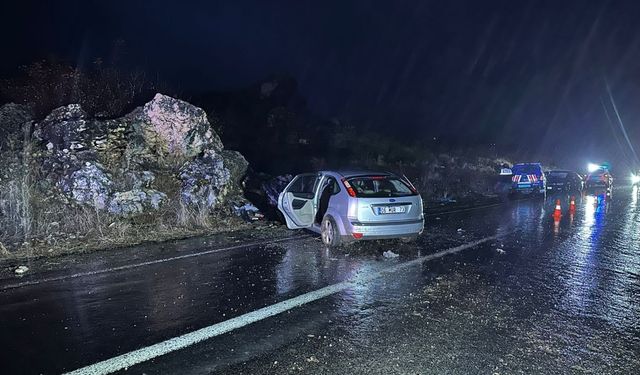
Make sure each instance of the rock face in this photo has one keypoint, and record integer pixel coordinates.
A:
(161, 153)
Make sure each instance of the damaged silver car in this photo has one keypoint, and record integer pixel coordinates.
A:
(345, 206)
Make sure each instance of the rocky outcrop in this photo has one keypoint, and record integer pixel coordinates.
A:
(160, 153)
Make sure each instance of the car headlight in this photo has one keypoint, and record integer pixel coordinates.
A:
(635, 178)
(591, 167)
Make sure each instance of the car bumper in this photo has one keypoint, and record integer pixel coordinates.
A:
(557, 188)
(597, 186)
(528, 190)
(385, 230)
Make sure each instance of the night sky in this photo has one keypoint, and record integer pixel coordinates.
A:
(529, 75)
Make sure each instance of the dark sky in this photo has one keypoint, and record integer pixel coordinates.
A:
(532, 74)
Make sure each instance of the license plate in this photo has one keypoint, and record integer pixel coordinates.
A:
(392, 210)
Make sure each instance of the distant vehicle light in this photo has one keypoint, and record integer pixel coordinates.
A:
(635, 178)
(593, 167)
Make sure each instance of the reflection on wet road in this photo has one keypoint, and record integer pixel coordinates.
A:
(550, 295)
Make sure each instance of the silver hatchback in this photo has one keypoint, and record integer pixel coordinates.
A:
(349, 206)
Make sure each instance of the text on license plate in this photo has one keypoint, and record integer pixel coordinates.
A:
(392, 210)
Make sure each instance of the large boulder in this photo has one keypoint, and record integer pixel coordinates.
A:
(89, 185)
(162, 152)
(203, 180)
(136, 201)
(174, 128)
(64, 128)
(237, 166)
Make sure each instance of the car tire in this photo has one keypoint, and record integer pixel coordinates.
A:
(329, 232)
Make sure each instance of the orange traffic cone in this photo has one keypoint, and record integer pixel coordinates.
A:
(558, 211)
(572, 204)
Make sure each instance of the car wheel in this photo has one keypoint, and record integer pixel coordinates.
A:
(330, 233)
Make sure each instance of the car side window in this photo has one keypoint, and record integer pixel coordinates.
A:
(304, 185)
(333, 185)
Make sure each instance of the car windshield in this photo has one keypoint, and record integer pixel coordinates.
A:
(380, 186)
(526, 169)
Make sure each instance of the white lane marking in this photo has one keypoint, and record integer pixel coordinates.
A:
(148, 263)
(135, 357)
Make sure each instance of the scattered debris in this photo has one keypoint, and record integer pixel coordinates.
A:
(460, 230)
(313, 359)
(21, 270)
(390, 254)
(248, 212)
(500, 251)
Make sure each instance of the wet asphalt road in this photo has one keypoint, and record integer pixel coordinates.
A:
(546, 296)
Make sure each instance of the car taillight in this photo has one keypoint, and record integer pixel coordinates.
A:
(350, 190)
(357, 236)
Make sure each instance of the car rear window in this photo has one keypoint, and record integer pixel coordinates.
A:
(596, 176)
(558, 175)
(526, 169)
(380, 187)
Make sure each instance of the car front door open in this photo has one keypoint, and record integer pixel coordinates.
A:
(297, 201)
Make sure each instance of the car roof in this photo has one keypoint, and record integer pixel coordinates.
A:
(348, 173)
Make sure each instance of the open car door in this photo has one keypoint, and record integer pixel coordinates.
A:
(298, 201)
